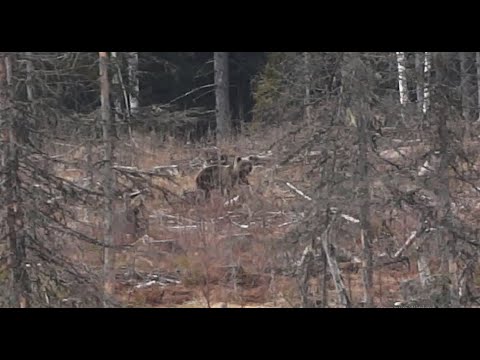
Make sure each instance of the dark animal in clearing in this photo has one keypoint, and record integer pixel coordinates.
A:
(223, 177)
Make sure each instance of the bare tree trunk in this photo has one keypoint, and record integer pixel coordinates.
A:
(38, 140)
(364, 196)
(324, 283)
(20, 282)
(426, 86)
(307, 79)
(222, 94)
(304, 275)
(468, 102)
(134, 84)
(422, 264)
(108, 179)
(30, 70)
(121, 88)
(402, 78)
(356, 83)
(331, 260)
(419, 70)
(477, 55)
(447, 245)
(117, 102)
(241, 102)
(402, 83)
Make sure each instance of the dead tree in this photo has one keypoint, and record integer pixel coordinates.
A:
(222, 94)
(108, 179)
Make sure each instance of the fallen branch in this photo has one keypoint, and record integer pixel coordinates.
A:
(241, 235)
(169, 170)
(191, 92)
(240, 225)
(287, 223)
(183, 227)
(407, 244)
(299, 192)
(231, 201)
(178, 218)
(168, 241)
(350, 218)
(414, 235)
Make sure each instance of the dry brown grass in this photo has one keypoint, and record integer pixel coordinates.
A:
(220, 253)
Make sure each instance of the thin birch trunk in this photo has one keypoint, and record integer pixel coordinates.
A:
(134, 84)
(426, 86)
(402, 78)
(419, 70)
(117, 103)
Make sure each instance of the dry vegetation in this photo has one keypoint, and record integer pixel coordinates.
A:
(363, 191)
(195, 253)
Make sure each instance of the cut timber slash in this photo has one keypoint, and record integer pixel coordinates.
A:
(298, 191)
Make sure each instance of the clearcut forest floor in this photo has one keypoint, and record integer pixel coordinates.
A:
(212, 254)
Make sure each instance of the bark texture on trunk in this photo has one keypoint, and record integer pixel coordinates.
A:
(222, 94)
(364, 196)
(307, 79)
(419, 71)
(108, 179)
(426, 85)
(134, 84)
(402, 78)
(444, 213)
(30, 70)
(477, 56)
(468, 97)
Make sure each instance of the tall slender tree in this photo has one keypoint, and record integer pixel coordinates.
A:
(477, 58)
(467, 89)
(222, 94)
(426, 93)
(419, 71)
(108, 178)
(134, 83)
(447, 244)
(308, 76)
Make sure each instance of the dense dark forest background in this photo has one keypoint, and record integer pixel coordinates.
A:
(241, 179)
